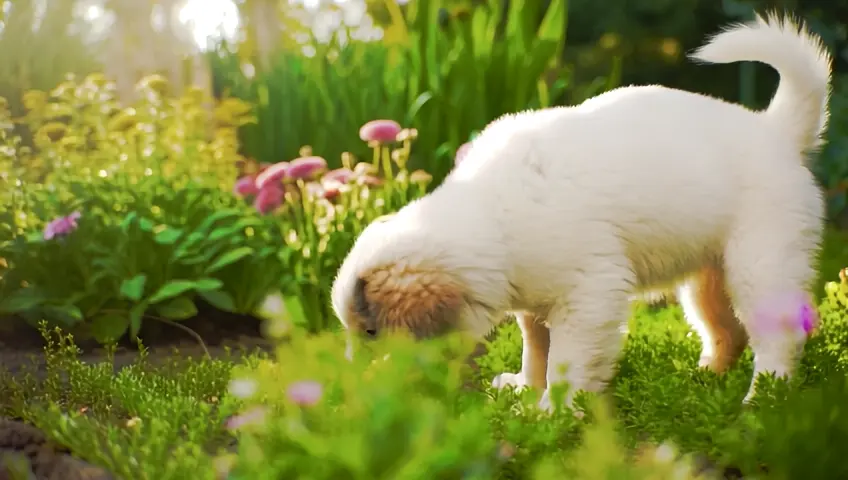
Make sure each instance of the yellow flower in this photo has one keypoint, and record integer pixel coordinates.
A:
(54, 131)
(96, 79)
(34, 99)
(72, 142)
(420, 177)
(123, 121)
(155, 82)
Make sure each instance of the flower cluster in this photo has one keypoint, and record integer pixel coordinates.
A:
(272, 185)
(61, 226)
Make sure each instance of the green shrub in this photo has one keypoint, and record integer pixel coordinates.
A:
(139, 214)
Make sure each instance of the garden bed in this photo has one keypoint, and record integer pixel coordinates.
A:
(422, 413)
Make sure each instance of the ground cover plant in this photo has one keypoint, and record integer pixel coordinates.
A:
(407, 410)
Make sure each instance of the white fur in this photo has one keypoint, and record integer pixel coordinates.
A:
(567, 212)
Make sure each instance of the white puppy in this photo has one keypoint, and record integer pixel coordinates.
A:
(561, 215)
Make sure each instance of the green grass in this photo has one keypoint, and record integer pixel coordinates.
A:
(422, 413)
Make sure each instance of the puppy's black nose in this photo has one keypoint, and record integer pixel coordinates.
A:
(371, 332)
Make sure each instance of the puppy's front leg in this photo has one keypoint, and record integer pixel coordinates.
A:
(586, 340)
(536, 343)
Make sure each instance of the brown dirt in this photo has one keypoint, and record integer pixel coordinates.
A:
(25, 448)
(22, 346)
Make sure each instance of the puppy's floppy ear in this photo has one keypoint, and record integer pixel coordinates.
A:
(426, 302)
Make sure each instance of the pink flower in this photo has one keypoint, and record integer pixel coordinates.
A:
(246, 186)
(305, 393)
(380, 131)
(269, 197)
(306, 168)
(61, 226)
(461, 152)
(252, 416)
(786, 312)
(313, 189)
(271, 174)
(369, 180)
(341, 175)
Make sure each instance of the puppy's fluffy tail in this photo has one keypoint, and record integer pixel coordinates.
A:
(800, 105)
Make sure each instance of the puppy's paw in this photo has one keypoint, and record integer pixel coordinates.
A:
(547, 406)
(545, 403)
(515, 380)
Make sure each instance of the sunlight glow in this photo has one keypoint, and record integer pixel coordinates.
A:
(209, 19)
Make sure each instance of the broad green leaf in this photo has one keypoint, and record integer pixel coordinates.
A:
(171, 290)
(207, 284)
(136, 315)
(128, 221)
(133, 288)
(168, 236)
(109, 327)
(146, 224)
(68, 314)
(22, 300)
(229, 258)
(179, 308)
(219, 299)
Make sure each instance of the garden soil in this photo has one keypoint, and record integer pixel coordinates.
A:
(22, 351)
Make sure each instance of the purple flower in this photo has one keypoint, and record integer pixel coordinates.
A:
(269, 197)
(380, 131)
(305, 392)
(246, 186)
(272, 174)
(808, 317)
(61, 226)
(306, 168)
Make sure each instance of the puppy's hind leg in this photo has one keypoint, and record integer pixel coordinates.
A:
(534, 355)
(769, 271)
(708, 309)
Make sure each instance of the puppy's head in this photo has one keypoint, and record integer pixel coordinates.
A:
(393, 280)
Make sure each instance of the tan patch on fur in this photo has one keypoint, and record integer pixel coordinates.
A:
(537, 339)
(728, 335)
(423, 301)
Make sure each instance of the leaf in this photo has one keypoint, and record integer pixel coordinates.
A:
(171, 290)
(109, 327)
(68, 314)
(136, 314)
(133, 288)
(218, 215)
(168, 236)
(146, 224)
(207, 284)
(219, 299)
(128, 221)
(21, 300)
(229, 258)
(179, 308)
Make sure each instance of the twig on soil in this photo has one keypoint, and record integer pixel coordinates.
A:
(172, 324)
